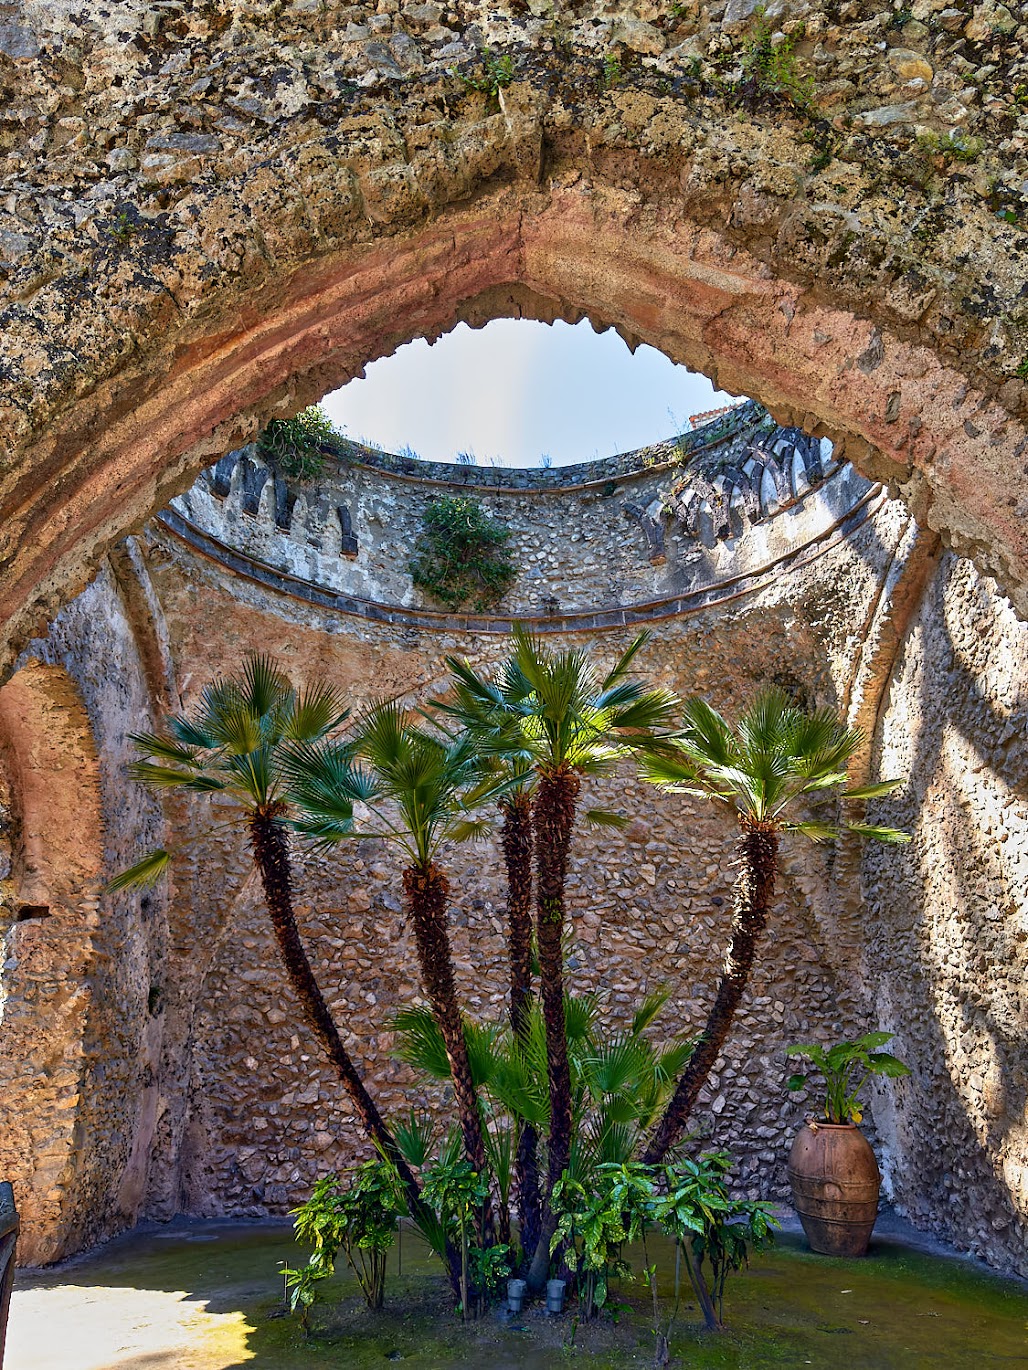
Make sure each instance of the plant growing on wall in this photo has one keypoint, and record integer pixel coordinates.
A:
(295, 445)
(777, 757)
(460, 557)
(769, 73)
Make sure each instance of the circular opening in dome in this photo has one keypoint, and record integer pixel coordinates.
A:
(519, 393)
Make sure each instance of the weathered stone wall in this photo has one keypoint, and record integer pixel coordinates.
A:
(648, 907)
(176, 1078)
(946, 957)
(621, 534)
(81, 1033)
(214, 211)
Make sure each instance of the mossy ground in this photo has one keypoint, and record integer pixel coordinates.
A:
(897, 1308)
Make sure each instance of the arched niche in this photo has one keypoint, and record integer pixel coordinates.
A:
(52, 896)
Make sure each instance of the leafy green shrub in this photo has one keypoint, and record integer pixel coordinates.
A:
(294, 445)
(595, 1221)
(617, 1204)
(710, 1228)
(459, 557)
(457, 1192)
(360, 1219)
(846, 1069)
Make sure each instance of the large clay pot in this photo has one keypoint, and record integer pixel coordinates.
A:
(835, 1182)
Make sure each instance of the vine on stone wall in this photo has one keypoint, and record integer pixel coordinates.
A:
(459, 557)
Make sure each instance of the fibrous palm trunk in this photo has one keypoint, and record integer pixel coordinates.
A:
(754, 890)
(556, 796)
(516, 840)
(426, 890)
(271, 855)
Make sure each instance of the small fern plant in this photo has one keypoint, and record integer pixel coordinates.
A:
(460, 556)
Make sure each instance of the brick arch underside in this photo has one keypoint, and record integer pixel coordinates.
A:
(46, 998)
(278, 310)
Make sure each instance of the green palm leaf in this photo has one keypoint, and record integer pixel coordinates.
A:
(890, 836)
(144, 874)
(776, 754)
(604, 818)
(874, 791)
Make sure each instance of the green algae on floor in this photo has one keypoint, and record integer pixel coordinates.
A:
(897, 1309)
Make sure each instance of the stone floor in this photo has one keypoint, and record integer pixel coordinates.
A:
(208, 1296)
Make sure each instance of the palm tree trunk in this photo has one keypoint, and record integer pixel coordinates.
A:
(516, 841)
(754, 890)
(555, 801)
(426, 890)
(271, 855)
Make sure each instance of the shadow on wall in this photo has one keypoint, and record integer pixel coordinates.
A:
(945, 918)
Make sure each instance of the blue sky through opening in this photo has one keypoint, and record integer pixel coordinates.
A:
(517, 390)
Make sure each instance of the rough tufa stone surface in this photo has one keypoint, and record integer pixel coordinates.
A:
(209, 216)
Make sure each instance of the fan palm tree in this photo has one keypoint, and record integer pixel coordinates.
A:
(483, 708)
(620, 1079)
(236, 745)
(553, 712)
(422, 788)
(761, 771)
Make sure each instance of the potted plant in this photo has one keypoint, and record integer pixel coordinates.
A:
(833, 1172)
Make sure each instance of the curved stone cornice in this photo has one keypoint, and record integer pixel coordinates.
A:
(758, 516)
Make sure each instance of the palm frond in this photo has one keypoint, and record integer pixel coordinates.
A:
(414, 1138)
(708, 735)
(891, 836)
(650, 1009)
(420, 1043)
(143, 875)
(817, 832)
(167, 778)
(624, 662)
(581, 1012)
(470, 830)
(318, 710)
(264, 687)
(605, 818)
(876, 790)
(164, 748)
(190, 733)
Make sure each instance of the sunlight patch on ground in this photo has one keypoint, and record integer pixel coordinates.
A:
(71, 1327)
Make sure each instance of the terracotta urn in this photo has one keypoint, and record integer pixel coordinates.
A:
(835, 1182)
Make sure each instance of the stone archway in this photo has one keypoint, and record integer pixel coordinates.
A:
(346, 191)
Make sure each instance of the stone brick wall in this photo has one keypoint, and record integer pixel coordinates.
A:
(635, 530)
(80, 1044)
